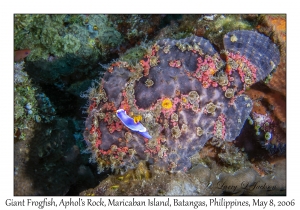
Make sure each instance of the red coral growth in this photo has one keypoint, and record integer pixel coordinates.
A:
(111, 68)
(124, 104)
(146, 62)
(275, 25)
(275, 103)
(278, 81)
(93, 104)
(146, 66)
(205, 69)
(109, 106)
(243, 64)
(114, 127)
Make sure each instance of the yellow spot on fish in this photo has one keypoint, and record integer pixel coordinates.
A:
(167, 103)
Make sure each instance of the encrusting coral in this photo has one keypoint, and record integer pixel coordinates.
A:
(58, 35)
(26, 113)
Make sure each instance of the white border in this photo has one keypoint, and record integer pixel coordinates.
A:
(153, 6)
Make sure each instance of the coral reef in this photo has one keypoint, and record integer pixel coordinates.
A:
(224, 24)
(212, 27)
(136, 27)
(133, 55)
(25, 104)
(58, 35)
(47, 163)
(47, 159)
(200, 180)
(194, 96)
(46, 109)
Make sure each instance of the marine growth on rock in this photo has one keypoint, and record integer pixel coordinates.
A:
(194, 96)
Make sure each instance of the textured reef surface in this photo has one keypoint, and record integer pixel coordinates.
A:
(183, 92)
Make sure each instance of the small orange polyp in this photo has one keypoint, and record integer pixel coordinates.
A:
(212, 71)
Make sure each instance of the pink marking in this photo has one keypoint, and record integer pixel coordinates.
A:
(107, 117)
(199, 59)
(98, 143)
(119, 126)
(111, 128)
(214, 84)
(157, 148)
(92, 130)
(146, 66)
(176, 100)
(103, 152)
(240, 92)
(221, 119)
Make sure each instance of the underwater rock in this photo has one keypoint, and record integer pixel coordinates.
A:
(194, 95)
(200, 180)
(25, 104)
(47, 163)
